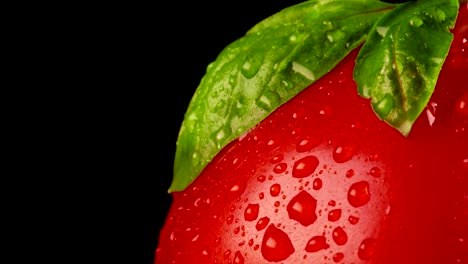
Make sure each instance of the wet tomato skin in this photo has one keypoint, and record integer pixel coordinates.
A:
(323, 180)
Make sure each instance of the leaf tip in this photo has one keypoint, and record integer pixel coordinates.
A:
(405, 128)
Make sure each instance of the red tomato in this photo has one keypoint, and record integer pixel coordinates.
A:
(323, 180)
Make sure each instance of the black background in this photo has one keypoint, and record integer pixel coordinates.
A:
(181, 40)
(188, 36)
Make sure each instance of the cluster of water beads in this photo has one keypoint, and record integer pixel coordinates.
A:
(276, 244)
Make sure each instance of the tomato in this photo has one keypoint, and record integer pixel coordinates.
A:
(323, 180)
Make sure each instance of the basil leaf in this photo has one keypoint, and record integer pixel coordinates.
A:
(257, 73)
(399, 63)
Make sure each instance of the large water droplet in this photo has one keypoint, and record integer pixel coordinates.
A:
(308, 143)
(275, 190)
(302, 208)
(262, 223)
(316, 243)
(367, 248)
(305, 166)
(276, 244)
(251, 212)
(339, 236)
(345, 151)
(238, 258)
(358, 194)
(334, 215)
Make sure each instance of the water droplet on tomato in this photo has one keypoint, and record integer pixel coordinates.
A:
(273, 142)
(277, 158)
(230, 219)
(345, 151)
(334, 215)
(236, 190)
(251, 212)
(305, 166)
(465, 163)
(339, 236)
(350, 173)
(373, 156)
(302, 208)
(227, 254)
(275, 190)
(262, 223)
(317, 184)
(276, 244)
(338, 257)
(316, 243)
(206, 253)
(236, 230)
(367, 248)
(279, 168)
(261, 178)
(238, 258)
(358, 194)
(462, 104)
(308, 143)
(375, 172)
(261, 195)
(353, 219)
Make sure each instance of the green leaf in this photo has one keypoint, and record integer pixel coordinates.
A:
(260, 71)
(399, 63)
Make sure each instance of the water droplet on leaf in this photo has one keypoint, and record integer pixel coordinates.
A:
(252, 64)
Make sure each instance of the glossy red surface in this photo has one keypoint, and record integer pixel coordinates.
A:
(323, 180)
